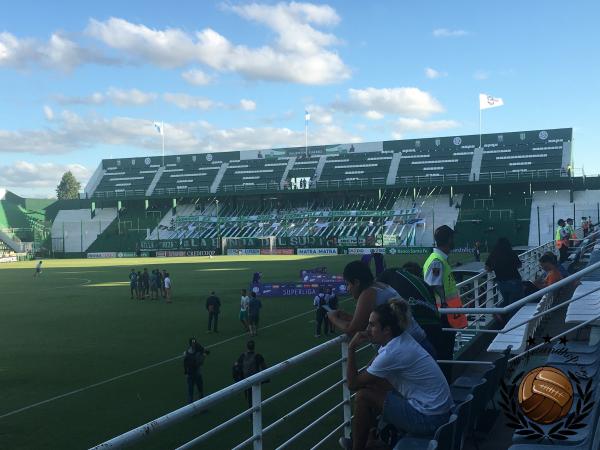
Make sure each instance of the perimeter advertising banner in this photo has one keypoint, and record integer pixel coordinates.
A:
(390, 250)
(177, 253)
(317, 251)
(298, 289)
(277, 251)
(243, 251)
(96, 255)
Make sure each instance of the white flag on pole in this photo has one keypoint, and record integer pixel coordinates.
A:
(159, 127)
(487, 101)
(306, 116)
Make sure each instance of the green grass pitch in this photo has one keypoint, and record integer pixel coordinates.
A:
(75, 326)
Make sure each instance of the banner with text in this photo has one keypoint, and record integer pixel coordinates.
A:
(95, 255)
(317, 251)
(277, 251)
(178, 253)
(298, 289)
(243, 251)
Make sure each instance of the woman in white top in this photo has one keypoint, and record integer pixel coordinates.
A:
(244, 309)
(403, 382)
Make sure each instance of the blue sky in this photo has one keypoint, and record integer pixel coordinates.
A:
(82, 81)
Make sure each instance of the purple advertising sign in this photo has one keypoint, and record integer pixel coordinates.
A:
(292, 289)
(309, 272)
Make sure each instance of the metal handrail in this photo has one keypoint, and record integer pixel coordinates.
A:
(185, 412)
(538, 315)
(529, 298)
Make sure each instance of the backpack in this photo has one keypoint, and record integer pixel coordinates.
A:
(236, 372)
(249, 364)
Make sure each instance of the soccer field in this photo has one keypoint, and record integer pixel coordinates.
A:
(74, 330)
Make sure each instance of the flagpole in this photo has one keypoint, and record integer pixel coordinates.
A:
(305, 136)
(163, 141)
(480, 126)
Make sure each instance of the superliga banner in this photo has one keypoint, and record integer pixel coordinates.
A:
(390, 250)
(298, 289)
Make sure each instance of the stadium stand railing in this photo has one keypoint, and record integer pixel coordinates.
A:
(485, 301)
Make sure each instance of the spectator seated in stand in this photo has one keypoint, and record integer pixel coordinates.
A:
(368, 294)
(403, 383)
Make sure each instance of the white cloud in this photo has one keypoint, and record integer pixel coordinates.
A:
(117, 96)
(59, 53)
(405, 101)
(96, 98)
(269, 137)
(130, 97)
(71, 132)
(185, 101)
(481, 75)
(320, 115)
(301, 53)
(404, 125)
(247, 105)
(39, 177)
(374, 115)
(48, 113)
(445, 32)
(196, 77)
(432, 73)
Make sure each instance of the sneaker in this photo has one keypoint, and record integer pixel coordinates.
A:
(317, 335)
(345, 443)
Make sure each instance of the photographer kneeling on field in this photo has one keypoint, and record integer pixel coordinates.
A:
(403, 382)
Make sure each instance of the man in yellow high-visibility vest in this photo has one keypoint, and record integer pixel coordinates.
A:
(561, 239)
(437, 273)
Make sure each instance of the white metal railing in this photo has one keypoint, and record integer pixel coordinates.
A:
(254, 383)
(481, 297)
(536, 295)
(480, 292)
(484, 301)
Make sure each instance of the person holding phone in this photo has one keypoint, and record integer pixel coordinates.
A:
(320, 302)
(369, 294)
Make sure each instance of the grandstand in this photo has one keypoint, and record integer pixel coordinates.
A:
(387, 193)
(351, 199)
(23, 224)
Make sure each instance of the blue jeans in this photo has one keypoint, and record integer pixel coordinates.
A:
(399, 412)
(195, 380)
(511, 290)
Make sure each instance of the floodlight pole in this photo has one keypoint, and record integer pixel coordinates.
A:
(306, 138)
(219, 244)
(163, 143)
(480, 127)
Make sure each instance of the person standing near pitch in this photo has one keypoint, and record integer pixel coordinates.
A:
(38, 269)
(213, 306)
(193, 360)
(254, 306)
(244, 301)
